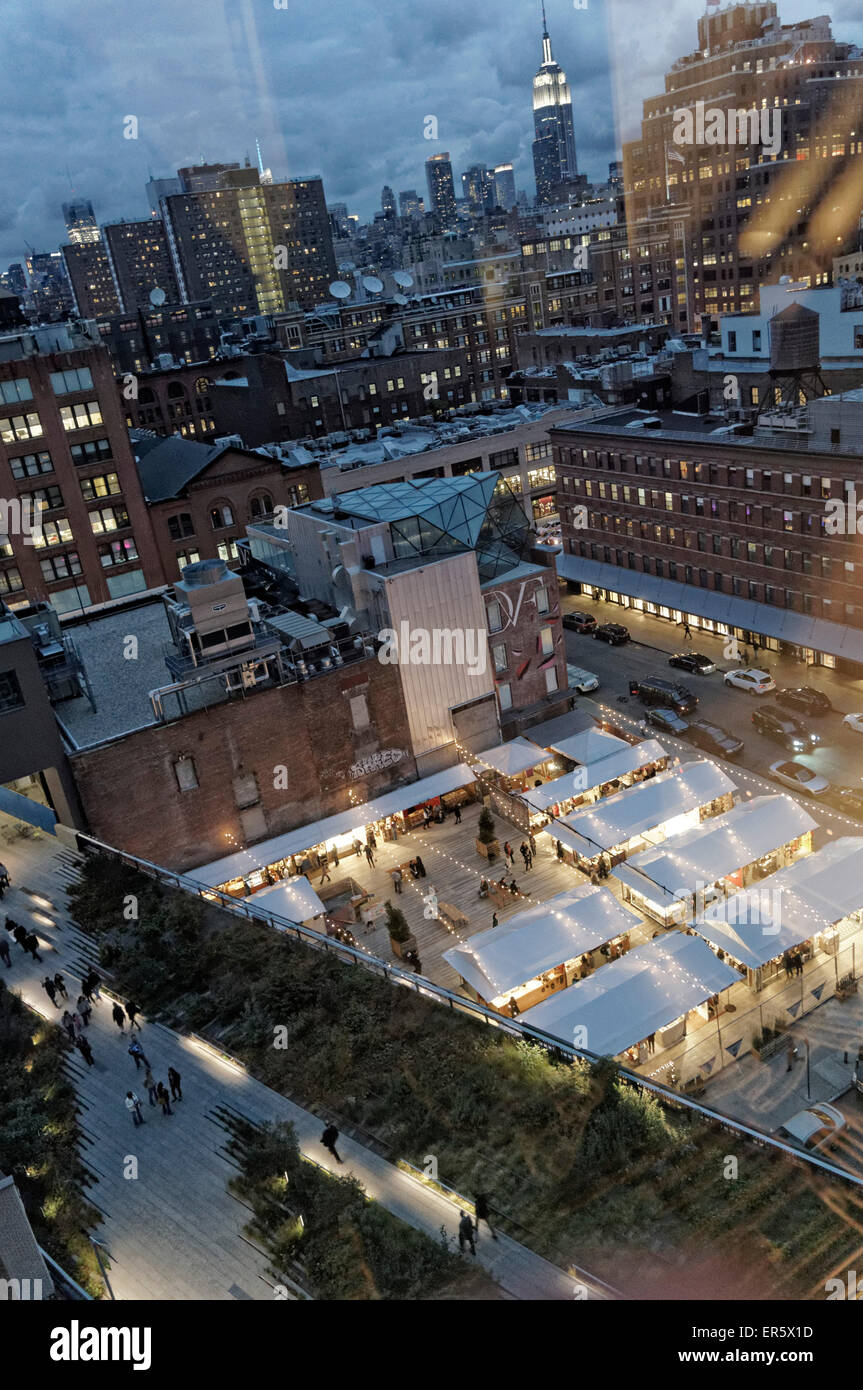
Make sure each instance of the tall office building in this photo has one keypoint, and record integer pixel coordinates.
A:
(14, 279)
(410, 203)
(554, 160)
(50, 291)
(157, 189)
(759, 208)
(441, 189)
(478, 186)
(80, 222)
(388, 201)
(140, 262)
(504, 186)
(89, 273)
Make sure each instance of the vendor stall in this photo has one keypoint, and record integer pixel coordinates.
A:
(294, 899)
(543, 949)
(626, 765)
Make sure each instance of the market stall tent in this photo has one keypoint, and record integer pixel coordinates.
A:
(516, 756)
(292, 898)
(638, 809)
(629, 757)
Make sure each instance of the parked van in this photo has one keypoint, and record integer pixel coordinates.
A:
(656, 690)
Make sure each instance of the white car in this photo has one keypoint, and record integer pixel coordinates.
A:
(811, 1128)
(755, 682)
(855, 722)
(583, 681)
(800, 778)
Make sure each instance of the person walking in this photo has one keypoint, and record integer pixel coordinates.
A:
(524, 852)
(370, 857)
(507, 849)
(687, 633)
(328, 1139)
(514, 1010)
(651, 1042)
(465, 1233)
(789, 968)
(457, 814)
(118, 1016)
(426, 817)
(77, 1027)
(94, 982)
(559, 851)
(494, 919)
(17, 931)
(150, 1083)
(325, 868)
(132, 1012)
(5, 955)
(397, 880)
(60, 984)
(174, 1083)
(4, 877)
(31, 946)
(85, 1008)
(164, 1099)
(531, 839)
(85, 1050)
(50, 989)
(481, 1208)
(67, 1023)
(358, 849)
(136, 1052)
(133, 1105)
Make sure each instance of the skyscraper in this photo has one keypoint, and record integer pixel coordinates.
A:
(140, 261)
(478, 185)
(504, 186)
(388, 201)
(554, 160)
(80, 222)
(441, 188)
(410, 204)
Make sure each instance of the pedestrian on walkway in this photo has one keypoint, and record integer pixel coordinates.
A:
(559, 850)
(531, 839)
(457, 814)
(118, 1016)
(524, 852)
(4, 877)
(85, 1050)
(17, 931)
(164, 1099)
(4, 952)
(31, 946)
(133, 1105)
(798, 963)
(465, 1233)
(61, 985)
(421, 868)
(94, 985)
(789, 967)
(136, 1052)
(494, 919)
(67, 1023)
(507, 849)
(77, 1027)
(50, 989)
(481, 1207)
(687, 633)
(328, 1139)
(174, 1083)
(370, 857)
(85, 1008)
(358, 849)
(132, 1012)
(397, 880)
(790, 1053)
(651, 1042)
(325, 870)
(514, 1010)
(150, 1083)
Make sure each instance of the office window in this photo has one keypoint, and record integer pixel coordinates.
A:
(19, 389)
(81, 416)
(186, 774)
(31, 465)
(10, 581)
(504, 695)
(221, 516)
(20, 427)
(546, 641)
(186, 557)
(118, 553)
(62, 566)
(78, 379)
(181, 526)
(94, 451)
(542, 600)
(53, 533)
(46, 499)
(108, 519)
(100, 485)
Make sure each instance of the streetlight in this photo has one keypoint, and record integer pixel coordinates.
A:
(808, 1087)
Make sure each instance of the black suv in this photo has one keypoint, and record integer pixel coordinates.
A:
(615, 633)
(657, 691)
(579, 622)
(693, 661)
(713, 739)
(784, 728)
(804, 698)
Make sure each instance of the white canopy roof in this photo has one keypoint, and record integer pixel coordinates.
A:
(515, 756)
(628, 757)
(716, 848)
(759, 923)
(293, 898)
(618, 818)
(321, 831)
(497, 961)
(625, 1001)
(589, 746)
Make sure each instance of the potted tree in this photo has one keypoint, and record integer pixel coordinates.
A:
(402, 939)
(486, 842)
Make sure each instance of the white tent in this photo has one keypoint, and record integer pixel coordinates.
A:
(639, 809)
(628, 758)
(497, 961)
(625, 1001)
(513, 757)
(293, 898)
(718, 847)
(589, 746)
(319, 832)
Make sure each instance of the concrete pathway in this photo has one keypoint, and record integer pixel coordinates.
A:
(171, 1228)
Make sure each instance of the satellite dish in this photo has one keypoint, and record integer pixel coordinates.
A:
(340, 290)
(401, 299)
(402, 278)
(372, 284)
(157, 296)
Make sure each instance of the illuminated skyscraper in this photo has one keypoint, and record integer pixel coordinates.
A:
(554, 160)
(441, 188)
(80, 222)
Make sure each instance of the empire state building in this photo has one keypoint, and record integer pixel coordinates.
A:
(554, 159)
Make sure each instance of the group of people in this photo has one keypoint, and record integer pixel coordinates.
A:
(27, 940)
(793, 962)
(157, 1092)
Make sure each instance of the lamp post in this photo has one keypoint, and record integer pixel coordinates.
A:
(808, 1086)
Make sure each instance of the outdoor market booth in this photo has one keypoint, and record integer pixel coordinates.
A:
(648, 813)
(812, 905)
(648, 999)
(341, 836)
(677, 880)
(293, 898)
(623, 766)
(510, 769)
(543, 949)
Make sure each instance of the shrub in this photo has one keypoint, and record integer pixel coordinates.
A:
(397, 924)
(487, 833)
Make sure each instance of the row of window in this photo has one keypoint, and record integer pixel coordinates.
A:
(495, 614)
(767, 518)
(48, 499)
(722, 475)
(504, 689)
(82, 416)
(182, 525)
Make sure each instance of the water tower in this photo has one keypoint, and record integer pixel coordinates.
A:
(795, 367)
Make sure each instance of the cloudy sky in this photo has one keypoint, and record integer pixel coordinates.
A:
(339, 87)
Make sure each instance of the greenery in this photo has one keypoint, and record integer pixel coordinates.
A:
(486, 827)
(586, 1168)
(324, 1234)
(397, 923)
(39, 1138)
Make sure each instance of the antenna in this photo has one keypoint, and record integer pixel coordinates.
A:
(544, 22)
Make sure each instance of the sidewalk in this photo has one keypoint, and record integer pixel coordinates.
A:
(174, 1231)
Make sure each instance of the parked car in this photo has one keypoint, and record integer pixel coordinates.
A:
(784, 728)
(800, 778)
(667, 721)
(748, 679)
(849, 800)
(655, 690)
(581, 680)
(813, 1128)
(580, 622)
(693, 661)
(804, 698)
(714, 739)
(855, 722)
(615, 633)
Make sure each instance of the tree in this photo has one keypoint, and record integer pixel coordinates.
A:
(487, 833)
(397, 924)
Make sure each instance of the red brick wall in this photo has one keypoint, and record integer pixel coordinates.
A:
(522, 624)
(308, 728)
